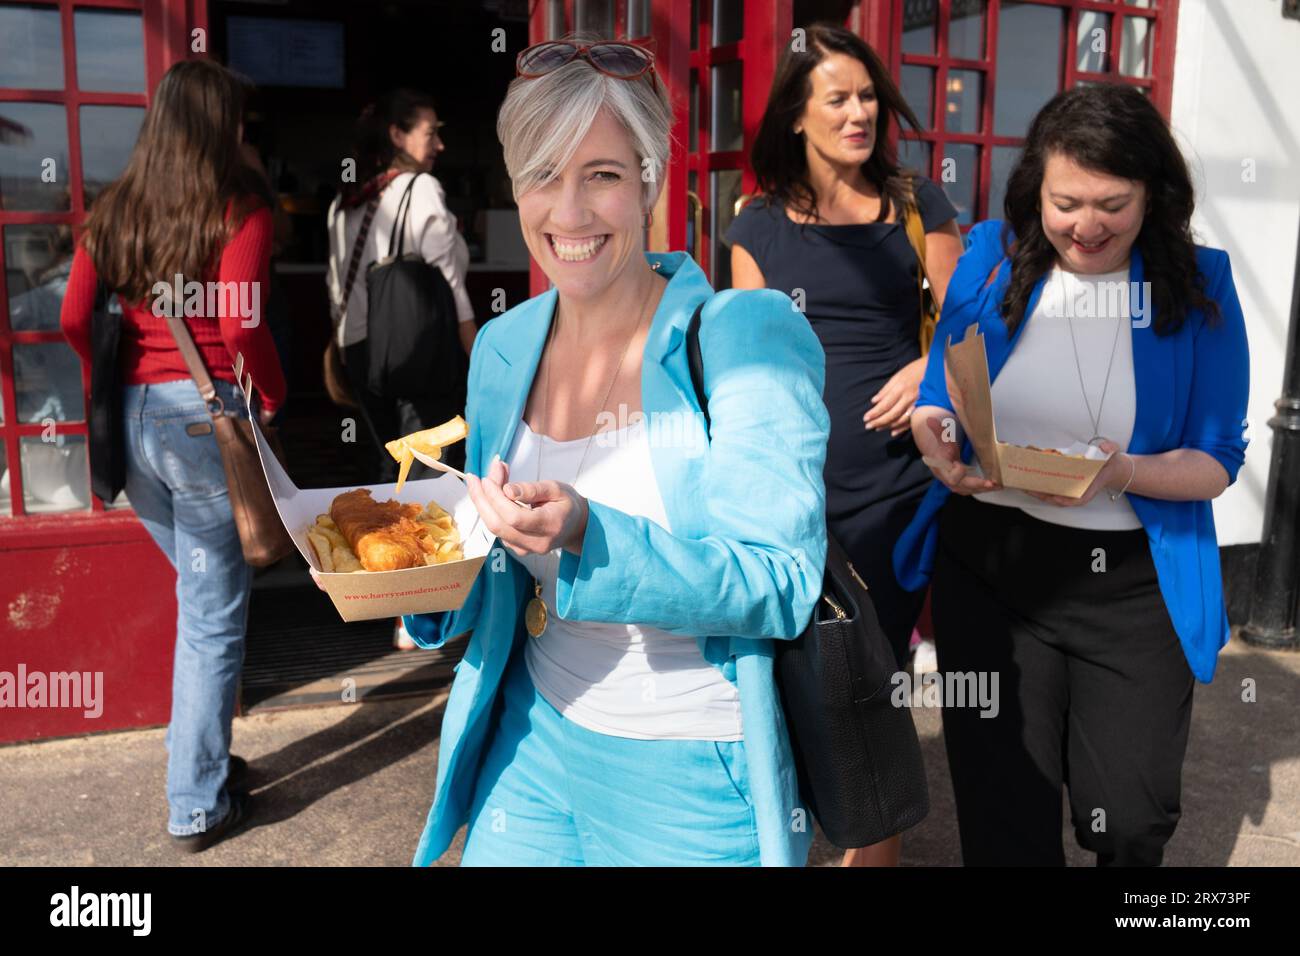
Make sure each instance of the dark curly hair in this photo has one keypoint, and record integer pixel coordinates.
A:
(1112, 129)
(779, 157)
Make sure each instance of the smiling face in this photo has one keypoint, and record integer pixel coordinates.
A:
(1092, 219)
(838, 122)
(584, 227)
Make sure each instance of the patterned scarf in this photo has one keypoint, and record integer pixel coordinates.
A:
(370, 189)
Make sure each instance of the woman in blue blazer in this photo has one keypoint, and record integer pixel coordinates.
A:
(616, 702)
(1096, 613)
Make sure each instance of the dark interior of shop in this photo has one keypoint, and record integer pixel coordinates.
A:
(315, 65)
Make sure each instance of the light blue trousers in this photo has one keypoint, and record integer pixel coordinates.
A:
(552, 793)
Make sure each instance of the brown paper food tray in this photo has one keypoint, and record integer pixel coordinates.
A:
(367, 595)
(1012, 466)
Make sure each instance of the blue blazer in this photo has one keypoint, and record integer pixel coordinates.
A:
(1192, 388)
(744, 561)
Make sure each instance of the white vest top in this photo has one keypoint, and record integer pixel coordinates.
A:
(1038, 399)
(623, 680)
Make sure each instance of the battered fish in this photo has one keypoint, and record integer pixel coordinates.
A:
(384, 535)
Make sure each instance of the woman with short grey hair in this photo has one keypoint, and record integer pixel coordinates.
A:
(616, 702)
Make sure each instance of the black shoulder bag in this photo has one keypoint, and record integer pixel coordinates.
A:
(858, 756)
(105, 429)
(411, 324)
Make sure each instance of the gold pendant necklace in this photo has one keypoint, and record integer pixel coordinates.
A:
(535, 614)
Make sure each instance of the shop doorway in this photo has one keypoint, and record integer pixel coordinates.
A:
(316, 65)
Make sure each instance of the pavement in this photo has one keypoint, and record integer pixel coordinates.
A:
(352, 784)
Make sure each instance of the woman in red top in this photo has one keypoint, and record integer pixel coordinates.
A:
(188, 205)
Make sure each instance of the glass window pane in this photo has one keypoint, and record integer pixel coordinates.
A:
(1092, 42)
(726, 190)
(695, 111)
(596, 16)
(555, 27)
(55, 474)
(915, 153)
(34, 157)
(919, 20)
(728, 133)
(966, 29)
(1148, 4)
(108, 134)
(1002, 162)
(1028, 63)
(638, 19)
(965, 96)
(1135, 47)
(728, 21)
(31, 52)
(917, 86)
(692, 186)
(110, 50)
(47, 382)
(958, 178)
(6, 509)
(37, 262)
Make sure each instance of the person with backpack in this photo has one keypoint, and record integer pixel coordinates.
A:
(391, 234)
(397, 143)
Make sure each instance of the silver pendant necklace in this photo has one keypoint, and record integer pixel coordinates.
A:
(1097, 436)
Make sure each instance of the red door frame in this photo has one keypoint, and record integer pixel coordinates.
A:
(84, 591)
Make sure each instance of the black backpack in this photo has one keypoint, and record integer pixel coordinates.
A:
(412, 327)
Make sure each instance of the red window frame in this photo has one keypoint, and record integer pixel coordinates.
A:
(881, 24)
(165, 40)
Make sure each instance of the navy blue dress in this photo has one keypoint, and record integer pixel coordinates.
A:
(858, 286)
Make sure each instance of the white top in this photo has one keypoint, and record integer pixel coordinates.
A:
(1037, 398)
(619, 679)
(430, 227)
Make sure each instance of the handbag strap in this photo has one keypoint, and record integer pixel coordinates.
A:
(194, 362)
(695, 359)
(355, 261)
(398, 232)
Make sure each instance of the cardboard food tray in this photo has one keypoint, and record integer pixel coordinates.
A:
(1012, 466)
(367, 595)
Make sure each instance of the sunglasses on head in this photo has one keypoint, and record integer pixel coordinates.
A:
(624, 61)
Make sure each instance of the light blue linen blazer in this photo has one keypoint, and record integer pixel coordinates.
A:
(742, 566)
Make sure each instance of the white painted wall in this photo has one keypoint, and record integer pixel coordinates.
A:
(1236, 80)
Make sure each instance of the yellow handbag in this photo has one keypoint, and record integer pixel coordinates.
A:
(930, 305)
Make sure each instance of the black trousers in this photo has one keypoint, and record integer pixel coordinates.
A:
(386, 419)
(1094, 692)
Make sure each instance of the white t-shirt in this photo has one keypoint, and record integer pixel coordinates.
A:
(623, 680)
(1038, 400)
(430, 227)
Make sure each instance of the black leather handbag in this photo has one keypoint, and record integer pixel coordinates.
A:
(105, 428)
(411, 325)
(858, 756)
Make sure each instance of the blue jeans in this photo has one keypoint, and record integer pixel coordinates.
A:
(177, 485)
(553, 793)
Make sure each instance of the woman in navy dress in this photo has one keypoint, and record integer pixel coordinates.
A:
(829, 232)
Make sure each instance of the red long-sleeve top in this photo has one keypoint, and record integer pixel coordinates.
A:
(148, 352)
